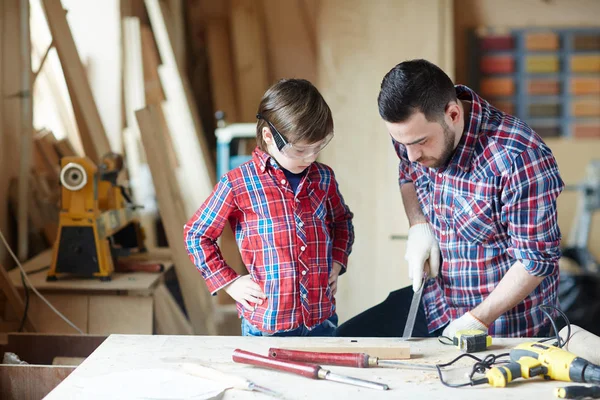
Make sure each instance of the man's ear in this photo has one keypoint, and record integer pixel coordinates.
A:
(453, 112)
(267, 135)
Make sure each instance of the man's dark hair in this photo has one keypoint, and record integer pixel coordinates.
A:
(413, 86)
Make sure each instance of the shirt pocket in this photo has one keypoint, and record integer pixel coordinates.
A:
(473, 219)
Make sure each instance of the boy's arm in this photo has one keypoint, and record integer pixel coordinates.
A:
(341, 226)
(202, 231)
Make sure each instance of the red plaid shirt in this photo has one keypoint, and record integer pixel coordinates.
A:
(493, 204)
(287, 240)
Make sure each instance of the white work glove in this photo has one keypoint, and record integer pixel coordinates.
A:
(420, 247)
(466, 322)
(245, 291)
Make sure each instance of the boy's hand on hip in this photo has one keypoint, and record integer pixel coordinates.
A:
(246, 292)
(333, 277)
(421, 247)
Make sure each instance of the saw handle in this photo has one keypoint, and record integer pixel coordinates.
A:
(304, 369)
(356, 360)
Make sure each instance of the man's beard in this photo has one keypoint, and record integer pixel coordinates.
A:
(449, 136)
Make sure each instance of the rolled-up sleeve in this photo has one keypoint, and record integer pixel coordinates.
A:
(529, 208)
(404, 175)
(202, 231)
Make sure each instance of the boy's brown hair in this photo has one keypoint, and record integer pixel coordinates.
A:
(297, 110)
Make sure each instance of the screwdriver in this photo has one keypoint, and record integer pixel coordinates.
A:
(356, 360)
(308, 370)
(230, 380)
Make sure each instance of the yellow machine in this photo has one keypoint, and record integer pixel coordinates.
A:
(97, 220)
(538, 359)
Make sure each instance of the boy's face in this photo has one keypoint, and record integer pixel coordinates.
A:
(431, 144)
(294, 165)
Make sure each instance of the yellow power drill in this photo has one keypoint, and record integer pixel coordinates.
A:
(539, 359)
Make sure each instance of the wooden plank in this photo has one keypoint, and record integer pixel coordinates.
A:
(72, 361)
(25, 131)
(197, 172)
(30, 381)
(168, 316)
(290, 47)
(151, 61)
(91, 130)
(131, 282)
(249, 56)
(221, 71)
(42, 348)
(120, 314)
(64, 148)
(11, 112)
(14, 299)
(74, 307)
(196, 297)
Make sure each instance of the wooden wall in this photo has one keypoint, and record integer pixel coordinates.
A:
(572, 155)
(358, 43)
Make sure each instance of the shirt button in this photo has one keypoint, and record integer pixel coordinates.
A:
(440, 175)
(303, 295)
(302, 248)
(283, 181)
(300, 223)
(262, 168)
(303, 272)
(297, 200)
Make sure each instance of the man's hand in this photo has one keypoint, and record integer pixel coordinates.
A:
(421, 247)
(333, 277)
(245, 291)
(466, 322)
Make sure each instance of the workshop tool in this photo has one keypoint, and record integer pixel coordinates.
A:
(472, 340)
(308, 370)
(356, 360)
(231, 380)
(538, 359)
(578, 392)
(582, 343)
(97, 220)
(414, 308)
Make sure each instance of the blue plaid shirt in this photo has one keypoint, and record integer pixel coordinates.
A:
(493, 204)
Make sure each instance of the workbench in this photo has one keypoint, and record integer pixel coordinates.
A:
(124, 364)
(130, 303)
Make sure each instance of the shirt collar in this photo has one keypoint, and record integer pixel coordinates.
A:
(466, 146)
(262, 159)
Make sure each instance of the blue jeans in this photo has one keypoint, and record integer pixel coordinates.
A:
(326, 328)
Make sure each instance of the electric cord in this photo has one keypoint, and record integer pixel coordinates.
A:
(27, 284)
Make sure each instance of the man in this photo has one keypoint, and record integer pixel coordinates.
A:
(479, 188)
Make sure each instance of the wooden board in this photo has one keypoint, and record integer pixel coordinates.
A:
(250, 57)
(121, 354)
(169, 318)
(74, 307)
(91, 130)
(30, 381)
(196, 174)
(14, 299)
(136, 281)
(120, 314)
(151, 61)
(196, 297)
(221, 68)
(291, 43)
(39, 348)
(73, 361)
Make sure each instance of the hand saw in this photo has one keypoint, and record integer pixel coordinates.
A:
(414, 308)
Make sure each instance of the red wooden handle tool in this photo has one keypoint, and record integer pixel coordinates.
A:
(356, 360)
(246, 357)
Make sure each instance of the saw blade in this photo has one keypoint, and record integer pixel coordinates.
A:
(414, 308)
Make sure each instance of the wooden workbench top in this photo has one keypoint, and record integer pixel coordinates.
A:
(124, 364)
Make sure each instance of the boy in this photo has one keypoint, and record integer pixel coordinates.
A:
(293, 229)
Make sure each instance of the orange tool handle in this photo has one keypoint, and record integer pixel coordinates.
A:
(246, 357)
(356, 360)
